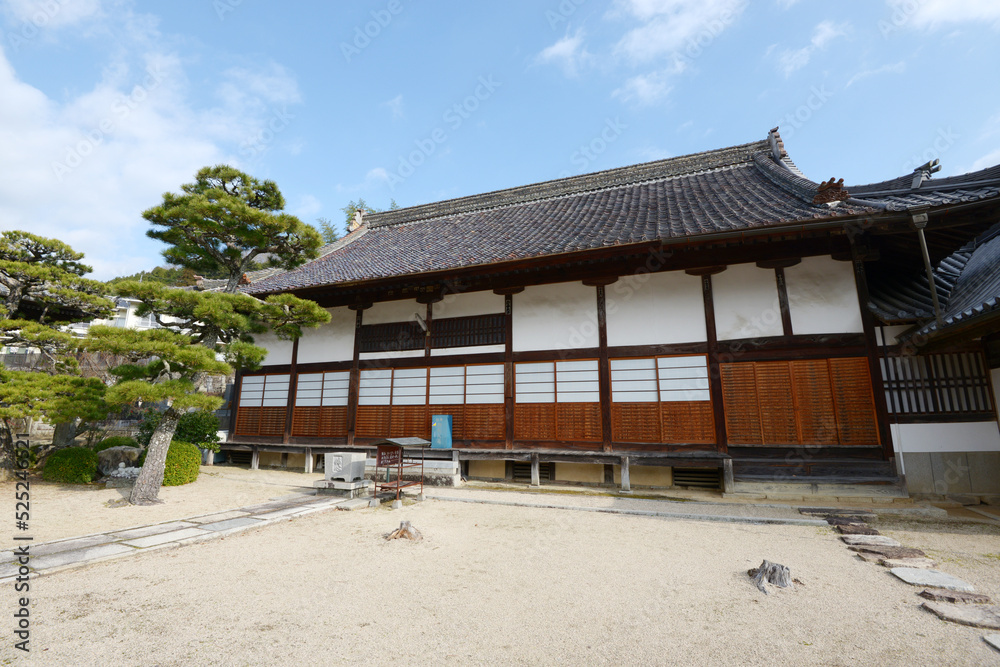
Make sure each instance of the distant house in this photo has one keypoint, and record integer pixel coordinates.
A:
(716, 311)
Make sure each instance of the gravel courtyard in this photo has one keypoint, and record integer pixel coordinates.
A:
(510, 585)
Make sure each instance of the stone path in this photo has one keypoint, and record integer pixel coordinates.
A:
(76, 551)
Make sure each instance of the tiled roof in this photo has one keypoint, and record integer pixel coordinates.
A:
(736, 188)
(976, 291)
(899, 194)
(908, 298)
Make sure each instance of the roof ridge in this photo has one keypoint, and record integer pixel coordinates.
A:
(601, 180)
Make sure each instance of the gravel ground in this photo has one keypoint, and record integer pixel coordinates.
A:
(498, 584)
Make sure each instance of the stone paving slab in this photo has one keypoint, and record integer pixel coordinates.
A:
(992, 640)
(856, 529)
(79, 556)
(976, 615)
(163, 538)
(220, 516)
(145, 531)
(229, 524)
(932, 578)
(957, 597)
(269, 507)
(890, 552)
(280, 513)
(355, 504)
(869, 541)
(921, 563)
(9, 569)
(69, 545)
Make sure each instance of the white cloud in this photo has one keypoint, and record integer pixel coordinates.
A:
(395, 106)
(645, 89)
(51, 13)
(991, 159)
(786, 4)
(375, 178)
(792, 60)
(673, 27)
(82, 168)
(306, 208)
(934, 13)
(568, 53)
(895, 68)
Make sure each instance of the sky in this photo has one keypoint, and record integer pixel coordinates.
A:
(107, 104)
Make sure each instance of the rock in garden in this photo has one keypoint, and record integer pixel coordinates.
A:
(890, 552)
(844, 521)
(833, 512)
(992, 640)
(978, 616)
(108, 459)
(870, 541)
(932, 578)
(771, 573)
(405, 531)
(856, 529)
(955, 597)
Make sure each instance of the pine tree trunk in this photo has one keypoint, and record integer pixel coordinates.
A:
(64, 434)
(6, 451)
(147, 486)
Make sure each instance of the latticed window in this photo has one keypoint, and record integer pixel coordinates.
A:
(954, 385)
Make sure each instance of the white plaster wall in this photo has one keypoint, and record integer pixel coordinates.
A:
(823, 297)
(397, 354)
(334, 341)
(385, 312)
(746, 303)
(555, 317)
(278, 351)
(959, 437)
(479, 349)
(655, 308)
(469, 304)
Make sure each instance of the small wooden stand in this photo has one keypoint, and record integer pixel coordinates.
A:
(391, 455)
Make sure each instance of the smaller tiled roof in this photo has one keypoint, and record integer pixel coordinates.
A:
(907, 298)
(898, 194)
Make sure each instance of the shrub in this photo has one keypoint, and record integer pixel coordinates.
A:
(115, 441)
(72, 465)
(183, 464)
(200, 428)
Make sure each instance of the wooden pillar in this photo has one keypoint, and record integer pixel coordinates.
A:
(604, 369)
(714, 374)
(874, 368)
(355, 378)
(626, 482)
(786, 313)
(535, 477)
(309, 461)
(255, 459)
(293, 380)
(508, 371)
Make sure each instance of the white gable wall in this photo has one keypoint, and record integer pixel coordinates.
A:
(385, 312)
(469, 304)
(555, 317)
(823, 297)
(746, 303)
(655, 308)
(279, 352)
(334, 341)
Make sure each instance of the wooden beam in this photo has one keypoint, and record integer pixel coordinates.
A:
(714, 374)
(778, 263)
(361, 305)
(604, 369)
(705, 270)
(600, 281)
(508, 291)
(786, 314)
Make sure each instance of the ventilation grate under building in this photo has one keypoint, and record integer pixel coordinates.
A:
(700, 478)
(239, 458)
(522, 472)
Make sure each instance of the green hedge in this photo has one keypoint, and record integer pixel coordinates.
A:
(115, 441)
(72, 465)
(182, 465)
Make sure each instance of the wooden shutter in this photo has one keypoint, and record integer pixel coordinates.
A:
(817, 421)
(855, 405)
(777, 403)
(739, 396)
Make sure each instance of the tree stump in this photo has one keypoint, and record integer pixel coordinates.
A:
(771, 573)
(405, 531)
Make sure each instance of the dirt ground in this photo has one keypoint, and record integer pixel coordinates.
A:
(489, 584)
